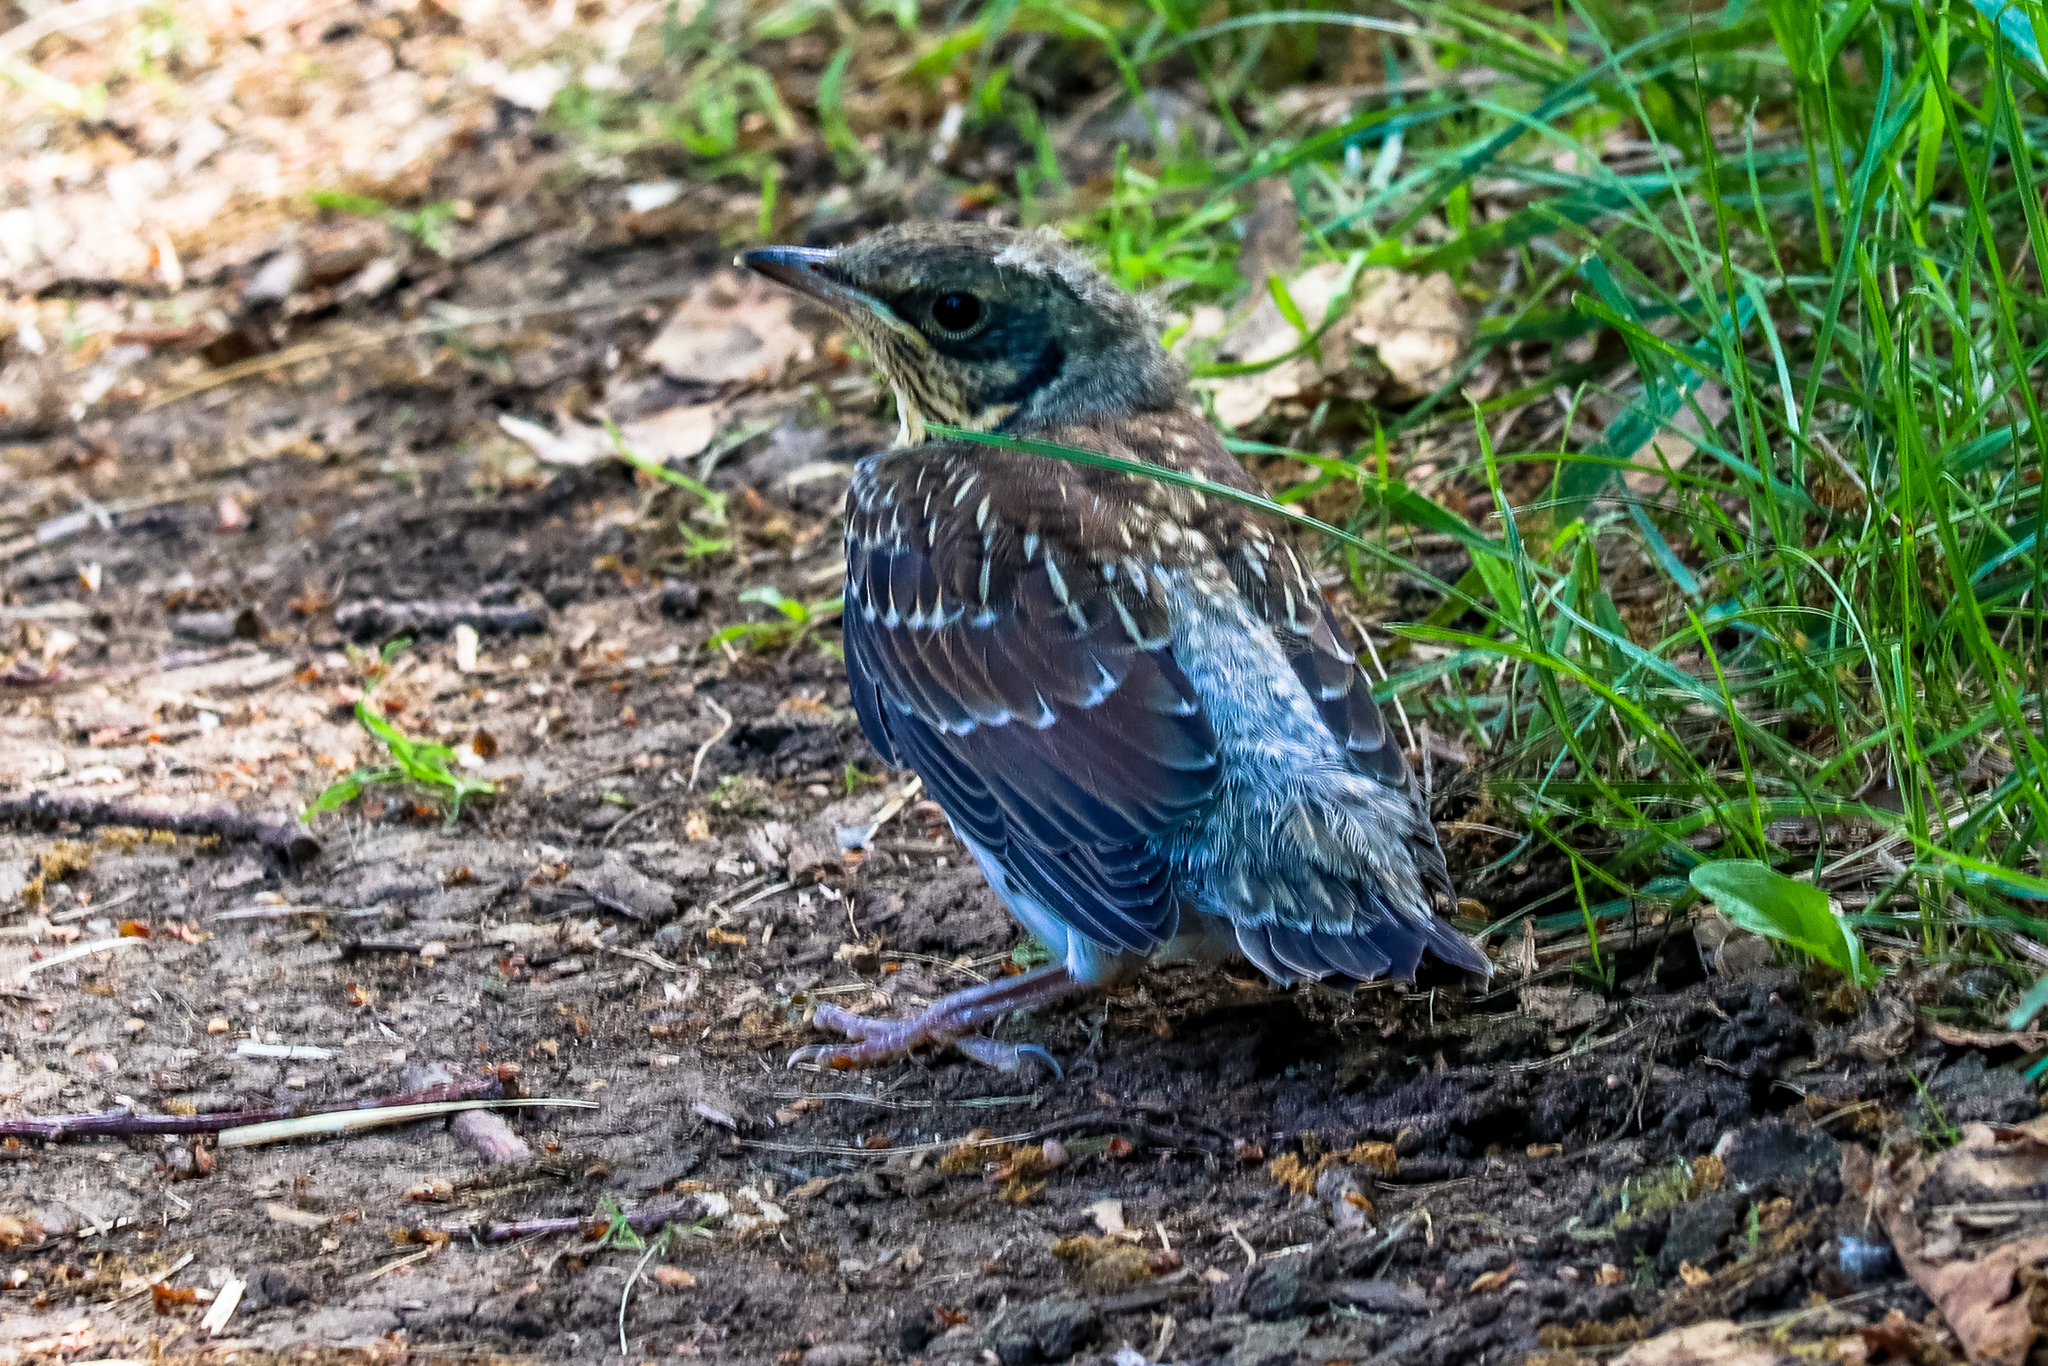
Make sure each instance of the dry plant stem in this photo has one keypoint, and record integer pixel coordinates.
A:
(64, 679)
(126, 1123)
(644, 1220)
(284, 840)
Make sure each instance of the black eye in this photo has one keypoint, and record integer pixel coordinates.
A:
(956, 312)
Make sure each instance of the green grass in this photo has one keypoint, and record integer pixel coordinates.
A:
(428, 224)
(415, 765)
(1813, 232)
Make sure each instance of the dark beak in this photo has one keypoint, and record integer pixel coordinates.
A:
(801, 269)
(808, 270)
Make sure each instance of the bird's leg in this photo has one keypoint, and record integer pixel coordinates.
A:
(950, 1019)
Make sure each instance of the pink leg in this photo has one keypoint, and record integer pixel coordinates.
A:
(950, 1019)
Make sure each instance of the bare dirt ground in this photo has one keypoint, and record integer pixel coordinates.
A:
(248, 439)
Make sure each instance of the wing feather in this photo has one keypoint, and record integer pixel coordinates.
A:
(1002, 669)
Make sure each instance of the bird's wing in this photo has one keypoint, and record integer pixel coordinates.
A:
(1036, 694)
(1367, 935)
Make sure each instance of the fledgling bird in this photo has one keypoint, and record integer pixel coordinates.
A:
(1130, 697)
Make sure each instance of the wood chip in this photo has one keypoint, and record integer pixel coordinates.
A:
(223, 1308)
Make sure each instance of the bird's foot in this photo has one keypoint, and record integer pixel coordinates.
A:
(874, 1042)
(952, 1019)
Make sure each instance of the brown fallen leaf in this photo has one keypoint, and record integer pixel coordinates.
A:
(435, 1192)
(1719, 1343)
(1903, 1339)
(673, 1278)
(730, 331)
(1415, 324)
(1982, 1298)
(1265, 334)
(673, 434)
(1493, 1280)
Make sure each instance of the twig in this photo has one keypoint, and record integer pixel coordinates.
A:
(150, 1282)
(21, 679)
(125, 1123)
(724, 726)
(635, 814)
(285, 840)
(1168, 1139)
(398, 1262)
(72, 954)
(626, 1295)
(761, 895)
(894, 804)
(370, 618)
(334, 1123)
(645, 1220)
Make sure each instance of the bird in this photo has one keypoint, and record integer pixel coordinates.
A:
(1130, 697)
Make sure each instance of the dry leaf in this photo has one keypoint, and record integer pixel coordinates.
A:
(1980, 1297)
(578, 443)
(1108, 1216)
(730, 331)
(673, 1278)
(1493, 1280)
(1264, 335)
(1719, 1343)
(1416, 326)
(675, 434)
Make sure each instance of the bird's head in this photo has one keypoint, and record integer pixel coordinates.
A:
(985, 327)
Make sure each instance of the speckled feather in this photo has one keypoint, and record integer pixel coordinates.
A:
(1130, 697)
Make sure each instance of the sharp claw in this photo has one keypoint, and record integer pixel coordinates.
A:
(1033, 1051)
(1005, 1057)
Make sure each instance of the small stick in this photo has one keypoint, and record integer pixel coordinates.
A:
(374, 617)
(285, 840)
(724, 725)
(124, 1123)
(643, 1220)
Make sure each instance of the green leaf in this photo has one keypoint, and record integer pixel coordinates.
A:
(1283, 299)
(791, 18)
(341, 201)
(344, 790)
(1764, 901)
(2032, 1004)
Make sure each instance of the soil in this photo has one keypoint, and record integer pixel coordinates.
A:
(1223, 1172)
